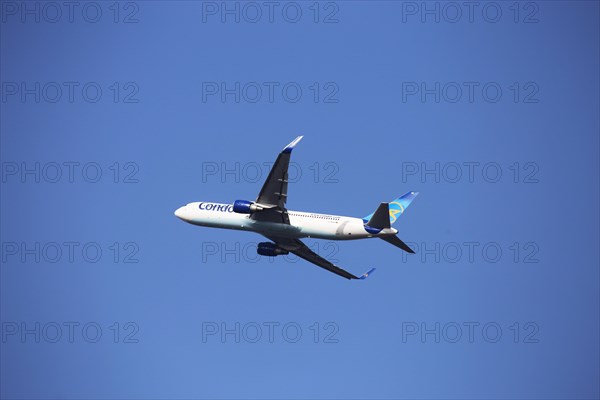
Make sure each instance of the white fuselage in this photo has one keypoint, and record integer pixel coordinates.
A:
(302, 224)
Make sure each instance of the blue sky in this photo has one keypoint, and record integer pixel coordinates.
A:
(115, 114)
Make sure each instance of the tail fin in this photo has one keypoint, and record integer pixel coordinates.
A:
(396, 207)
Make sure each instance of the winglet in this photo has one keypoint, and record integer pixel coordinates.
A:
(366, 274)
(289, 147)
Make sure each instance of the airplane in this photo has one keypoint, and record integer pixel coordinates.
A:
(284, 228)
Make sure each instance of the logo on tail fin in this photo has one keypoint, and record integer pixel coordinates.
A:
(397, 206)
(396, 209)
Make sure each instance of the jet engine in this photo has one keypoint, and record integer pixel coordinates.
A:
(270, 249)
(245, 207)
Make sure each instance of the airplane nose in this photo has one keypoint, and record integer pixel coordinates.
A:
(179, 213)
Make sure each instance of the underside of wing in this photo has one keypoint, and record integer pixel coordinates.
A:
(297, 247)
(274, 190)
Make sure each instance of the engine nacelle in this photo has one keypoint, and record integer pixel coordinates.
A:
(270, 249)
(245, 207)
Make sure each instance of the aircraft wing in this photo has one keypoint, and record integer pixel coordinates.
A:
(297, 247)
(274, 190)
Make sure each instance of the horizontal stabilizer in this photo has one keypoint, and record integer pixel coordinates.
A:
(395, 240)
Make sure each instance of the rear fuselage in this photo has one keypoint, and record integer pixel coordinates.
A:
(302, 224)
